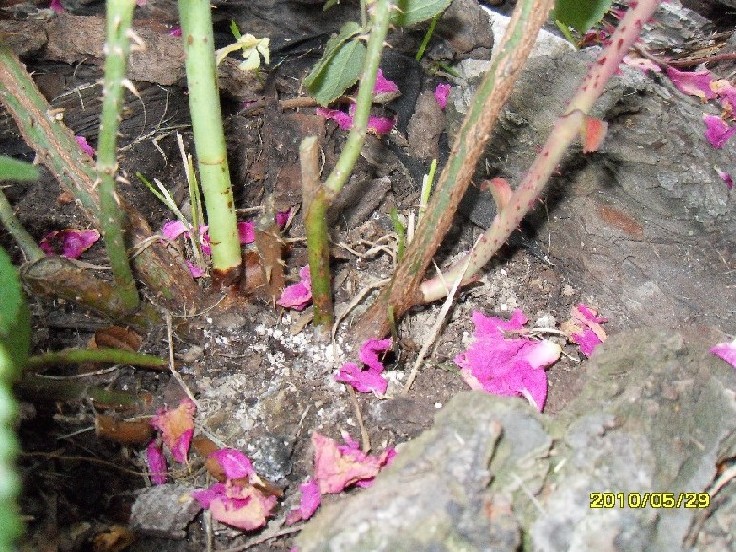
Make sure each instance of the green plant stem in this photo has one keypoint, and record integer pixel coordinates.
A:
(403, 290)
(209, 139)
(351, 151)
(117, 48)
(79, 356)
(21, 236)
(318, 197)
(166, 275)
(41, 388)
(315, 204)
(564, 132)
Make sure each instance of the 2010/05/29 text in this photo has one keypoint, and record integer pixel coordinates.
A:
(649, 500)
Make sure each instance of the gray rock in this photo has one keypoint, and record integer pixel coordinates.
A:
(164, 511)
(657, 414)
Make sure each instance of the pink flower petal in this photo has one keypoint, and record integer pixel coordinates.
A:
(380, 125)
(177, 428)
(310, 501)
(55, 6)
(694, 83)
(247, 232)
(156, 463)
(206, 496)
(717, 130)
(246, 508)
(584, 328)
(507, 367)
(642, 64)
(282, 217)
(297, 296)
(363, 381)
(384, 90)
(68, 243)
(336, 467)
(82, 141)
(235, 464)
(172, 229)
(195, 271)
(369, 352)
(587, 340)
(175, 31)
(726, 351)
(727, 178)
(441, 93)
(726, 94)
(343, 120)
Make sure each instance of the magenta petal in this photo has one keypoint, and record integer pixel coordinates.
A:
(717, 130)
(384, 90)
(247, 232)
(297, 296)
(55, 6)
(380, 125)
(156, 463)
(176, 31)
(590, 314)
(68, 243)
(282, 217)
(726, 351)
(363, 381)
(83, 144)
(309, 502)
(172, 229)
(587, 340)
(369, 352)
(195, 271)
(234, 463)
(206, 496)
(694, 83)
(727, 178)
(180, 450)
(343, 120)
(441, 93)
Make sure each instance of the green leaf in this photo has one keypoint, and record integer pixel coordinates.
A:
(329, 4)
(15, 328)
(334, 74)
(411, 12)
(581, 15)
(322, 76)
(235, 30)
(12, 169)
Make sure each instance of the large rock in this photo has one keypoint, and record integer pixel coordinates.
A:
(657, 414)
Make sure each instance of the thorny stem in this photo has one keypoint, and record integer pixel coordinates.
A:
(318, 197)
(562, 135)
(209, 139)
(117, 48)
(79, 356)
(41, 127)
(403, 290)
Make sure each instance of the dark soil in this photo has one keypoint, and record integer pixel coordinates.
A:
(262, 383)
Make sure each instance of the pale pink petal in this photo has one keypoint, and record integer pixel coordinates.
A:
(247, 232)
(717, 130)
(172, 229)
(84, 145)
(726, 93)
(590, 315)
(176, 427)
(384, 90)
(235, 464)
(338, 467)
(297, 296)
(642, 64)
(726, 351)
(247, 509)
(727, 178)
(694, 83)
(310, 501)
(385, 459)
(140, 3)
(156, 463)
(441, 93)
(68, 243)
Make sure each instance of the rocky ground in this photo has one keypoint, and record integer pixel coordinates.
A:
(642, 230)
